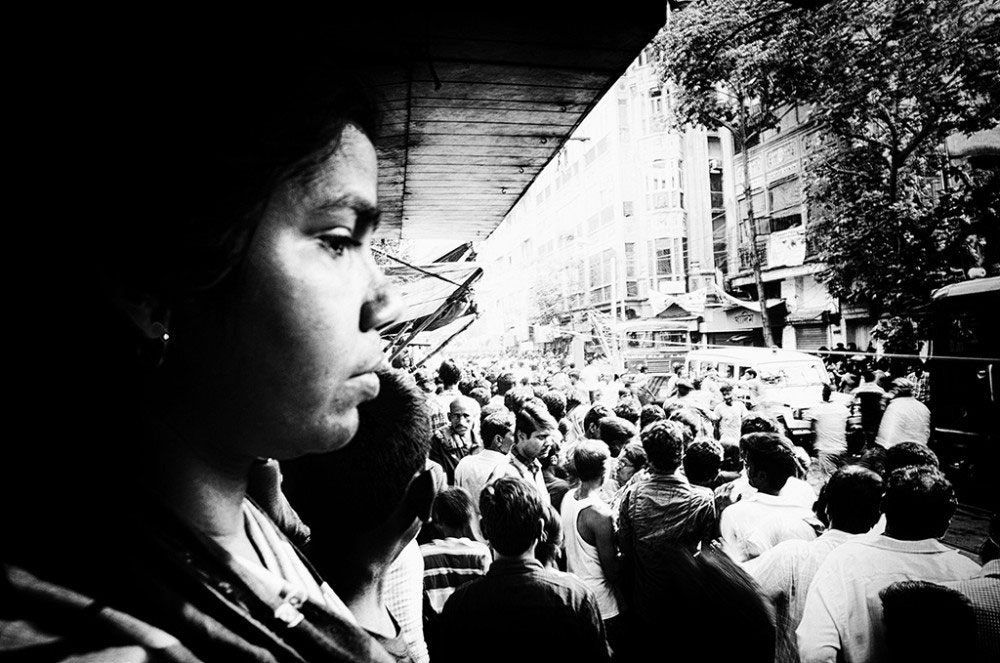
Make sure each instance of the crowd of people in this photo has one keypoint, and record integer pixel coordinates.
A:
(694, 506)
(220, 464)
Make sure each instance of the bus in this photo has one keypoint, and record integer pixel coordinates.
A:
(963, 363)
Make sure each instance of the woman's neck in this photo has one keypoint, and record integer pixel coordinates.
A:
(199, 484)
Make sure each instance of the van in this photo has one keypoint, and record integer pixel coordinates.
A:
(789, 383)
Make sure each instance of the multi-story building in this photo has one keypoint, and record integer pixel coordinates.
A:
(627, 214)
(809, 317)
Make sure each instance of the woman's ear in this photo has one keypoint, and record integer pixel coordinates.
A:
(542, 536)
(149, 315)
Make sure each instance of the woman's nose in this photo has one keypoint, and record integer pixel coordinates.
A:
(384, 305)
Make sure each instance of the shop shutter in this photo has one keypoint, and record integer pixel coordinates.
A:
(809, 338)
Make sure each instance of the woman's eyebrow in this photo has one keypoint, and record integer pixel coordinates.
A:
(367, 215)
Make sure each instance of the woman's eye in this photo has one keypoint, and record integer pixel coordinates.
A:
(338, 244)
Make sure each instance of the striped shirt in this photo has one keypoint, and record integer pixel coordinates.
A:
(449, 563)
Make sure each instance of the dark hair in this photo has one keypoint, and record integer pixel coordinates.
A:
(532, 417)
(515, 398)
(663, 442)
(374, 470)
(650, 413)
(758, 422)
(449, 373)
(616, 433)
(908, 453)
(511, 509)
(590, 459)
(495, 422)
(685, 589)
(505, 382)
(626, 410)
(732, 461)
(687, 417)
(555, 401)
(772, 454)
(549, 551)
(481, 395)
(853, 497)
(453, 508)
(702, 461)
(919, 503)
(873, 458)
(596, 412)
(466, 384)
(635, 454)
(928, 622)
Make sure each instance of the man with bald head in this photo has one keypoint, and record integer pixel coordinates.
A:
(455, 441)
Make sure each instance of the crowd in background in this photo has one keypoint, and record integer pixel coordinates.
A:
(644, 518)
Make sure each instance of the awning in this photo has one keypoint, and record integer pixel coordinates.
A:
(435, 294)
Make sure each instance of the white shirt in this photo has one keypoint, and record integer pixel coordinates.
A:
(532, 473)
(761, 521)
(403, 594)
(905, 420)
(475, 471)
(843, 611)
(582, 558)
(785, 573)
(830, 426)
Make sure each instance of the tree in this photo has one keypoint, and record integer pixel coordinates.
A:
(890, 80)
(887, 82)
(718, 61)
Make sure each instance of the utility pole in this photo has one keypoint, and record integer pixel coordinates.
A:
(765, 320)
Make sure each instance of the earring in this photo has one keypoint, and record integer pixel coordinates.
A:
(153, 348)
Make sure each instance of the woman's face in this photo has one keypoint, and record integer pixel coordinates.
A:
(298, 353)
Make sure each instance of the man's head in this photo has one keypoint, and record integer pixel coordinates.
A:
(908, 453)
(505, 382)
(727, 393)
(453, 512)
(496, 426)
(591, 420)
(516, 397)
(626, 410)
(901, 388)
(481, 395)
(616, 433)
(375, 470)
(460, 414)
(827, 392)
(702, 461)
(770, 461)
(758, 422)
(533, 429)
(852, 499)
(684, 387)
(650, 413)
(513, 516)
(663, 442)
(449, 373)
(918, 503)
(555, 401)
(590, 458)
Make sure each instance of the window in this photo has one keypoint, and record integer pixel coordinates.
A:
(630, 260)
(786, 194)
(655, 102)
(785, 222)
(664, 257)
(720, 244)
